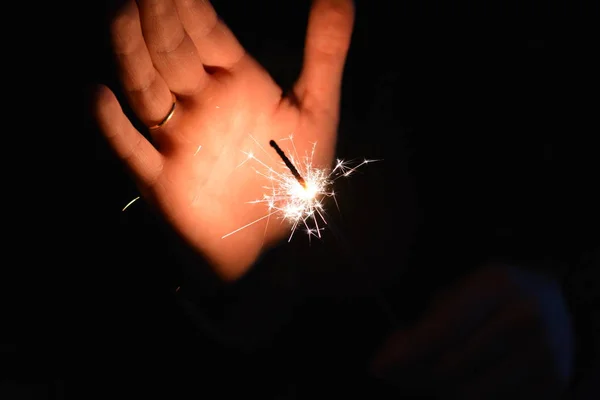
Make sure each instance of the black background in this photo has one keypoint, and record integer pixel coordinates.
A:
(485, 117)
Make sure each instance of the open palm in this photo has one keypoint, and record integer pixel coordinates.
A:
(226, 104)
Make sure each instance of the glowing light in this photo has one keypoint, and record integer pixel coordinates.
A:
(130, 203)
(297, 193)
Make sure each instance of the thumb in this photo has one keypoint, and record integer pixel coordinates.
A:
(327, 40)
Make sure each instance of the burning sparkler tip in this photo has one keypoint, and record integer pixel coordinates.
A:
(297, 196)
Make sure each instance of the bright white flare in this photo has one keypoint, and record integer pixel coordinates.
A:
(302, 206)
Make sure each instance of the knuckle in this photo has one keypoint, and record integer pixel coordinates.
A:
(339, 10)
(210, 22)
(120, 31)
(122, 21)
(169, 42)
(336, 24)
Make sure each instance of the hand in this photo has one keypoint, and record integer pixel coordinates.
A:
(500, 333)
(224, 99)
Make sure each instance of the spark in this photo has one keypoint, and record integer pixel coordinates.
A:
(198, 149)
(130, 203)
(297, 195)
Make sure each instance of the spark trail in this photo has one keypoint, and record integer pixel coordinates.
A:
(297, 194)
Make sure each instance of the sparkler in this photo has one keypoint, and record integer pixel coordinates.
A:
(297, 194)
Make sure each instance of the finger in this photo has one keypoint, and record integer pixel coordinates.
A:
(171, 49)
(452, 317)
(138, 154)
(327, 41)
(216, 44)
(511, 326)
(147, 92)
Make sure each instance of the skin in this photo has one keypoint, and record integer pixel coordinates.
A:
(189, 170)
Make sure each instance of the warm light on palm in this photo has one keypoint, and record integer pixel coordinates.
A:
(192, 173)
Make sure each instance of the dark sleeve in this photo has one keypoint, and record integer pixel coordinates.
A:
(244, 314)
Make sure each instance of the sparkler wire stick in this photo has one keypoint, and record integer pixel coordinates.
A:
(288, 164)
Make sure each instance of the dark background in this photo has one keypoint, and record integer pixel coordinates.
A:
(485, 114)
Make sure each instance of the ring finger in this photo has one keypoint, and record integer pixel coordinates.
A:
(147, 92)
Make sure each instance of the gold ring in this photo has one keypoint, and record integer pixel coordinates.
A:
(168, 117)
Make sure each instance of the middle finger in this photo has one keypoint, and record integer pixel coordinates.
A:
(172, 51)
